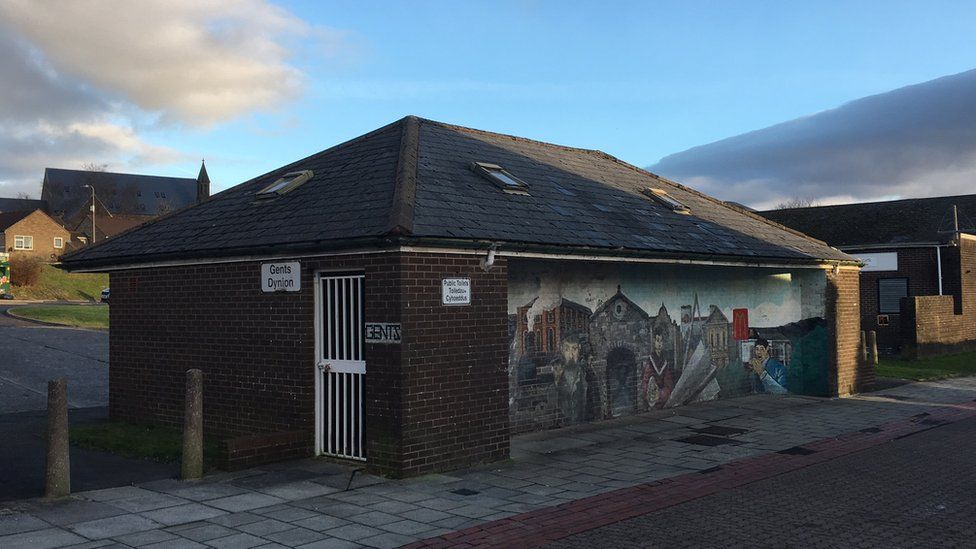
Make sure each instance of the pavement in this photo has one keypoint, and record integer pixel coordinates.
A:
(558, 484)
(913, 492)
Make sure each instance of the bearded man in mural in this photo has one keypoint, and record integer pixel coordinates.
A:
(660, 369)
(770, 373)
(569, 377)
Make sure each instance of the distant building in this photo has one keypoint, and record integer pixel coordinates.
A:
(33, 233)
(910, 248)
(21, 205)
(68, 199)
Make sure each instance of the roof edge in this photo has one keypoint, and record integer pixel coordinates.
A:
(405, 186)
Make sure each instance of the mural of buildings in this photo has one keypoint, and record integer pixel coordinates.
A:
(569, 365)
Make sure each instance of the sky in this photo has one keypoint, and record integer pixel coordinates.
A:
(155, 86)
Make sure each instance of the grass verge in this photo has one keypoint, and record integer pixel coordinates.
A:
(81, 316)
(962, 364)
(151, 442)
(57, 285)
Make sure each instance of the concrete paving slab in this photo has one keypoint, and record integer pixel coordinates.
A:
(181, 514)
(20, 522)
(263, 527)
(207, 532)
(145, 538)
(40, 539)
(178, 543)
(298, 490)
(204, 492)
(148, 502)
(71, 510)
(295, 537)
(237, 541)
(244, 502)
(321, 522)
(353, 532)
(113, 526)
(388, 540)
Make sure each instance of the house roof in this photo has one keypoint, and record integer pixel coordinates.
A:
(913, 220)
(123, 193)
(21, 205)
(413, 180)
(110, 225)
(9, 218)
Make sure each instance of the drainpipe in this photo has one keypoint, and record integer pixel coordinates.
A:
(938, 263)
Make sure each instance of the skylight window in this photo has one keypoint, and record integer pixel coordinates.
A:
(666, 200)
(501, 178)
(288, 182)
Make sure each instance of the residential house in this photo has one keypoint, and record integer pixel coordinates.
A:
(33, 233)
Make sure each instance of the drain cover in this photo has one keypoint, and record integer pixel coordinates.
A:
(721, 431)
(465, 492)
(797, 451)
(706, 440)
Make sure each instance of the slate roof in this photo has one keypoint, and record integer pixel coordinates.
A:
(913, 220)
(123, 193)
(21, 205)
(9, 218)
(412, 180)
(110, 225)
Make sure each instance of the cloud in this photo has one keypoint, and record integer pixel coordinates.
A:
(910, 142)
(80, 77)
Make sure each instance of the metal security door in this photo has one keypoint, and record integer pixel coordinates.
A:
(341, 365)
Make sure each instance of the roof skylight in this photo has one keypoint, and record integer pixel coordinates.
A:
(668, 201)
(286, 183)
(501, 178)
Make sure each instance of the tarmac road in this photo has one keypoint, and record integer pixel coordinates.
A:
(31, 355)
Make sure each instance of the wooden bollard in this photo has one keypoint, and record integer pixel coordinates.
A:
(58, 474)
(873, 346)
(864, 348)
(192, 463)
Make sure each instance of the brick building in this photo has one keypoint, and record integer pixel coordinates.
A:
(374, 301)
(911, 248)
(33, 233)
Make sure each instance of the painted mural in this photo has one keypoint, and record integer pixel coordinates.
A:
(608, 341)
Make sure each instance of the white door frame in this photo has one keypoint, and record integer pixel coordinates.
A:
(318, 362)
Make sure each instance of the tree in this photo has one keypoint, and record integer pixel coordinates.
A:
(797, 202)
(24, 195)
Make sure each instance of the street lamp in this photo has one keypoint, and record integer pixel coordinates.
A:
(92, 187)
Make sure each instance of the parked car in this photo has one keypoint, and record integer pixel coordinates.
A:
(105, 295)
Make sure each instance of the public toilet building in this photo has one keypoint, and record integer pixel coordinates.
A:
(415, 296)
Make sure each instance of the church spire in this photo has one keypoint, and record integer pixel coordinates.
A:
(203, 183)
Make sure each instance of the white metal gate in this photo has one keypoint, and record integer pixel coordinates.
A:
(341, 365)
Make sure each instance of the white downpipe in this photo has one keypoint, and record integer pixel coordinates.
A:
(938, 263)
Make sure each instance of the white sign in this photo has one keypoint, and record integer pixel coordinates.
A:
(281, 277)
(383, 332)
(881, 261)
(456, 291)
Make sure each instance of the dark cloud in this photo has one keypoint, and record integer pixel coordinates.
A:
(918, 140)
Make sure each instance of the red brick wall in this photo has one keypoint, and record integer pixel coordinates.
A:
(946, 324)
(256, 349)
(455, 365)
(843, 306)
(437, 401)
(919, 266)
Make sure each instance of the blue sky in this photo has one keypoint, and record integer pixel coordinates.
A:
(639, 80)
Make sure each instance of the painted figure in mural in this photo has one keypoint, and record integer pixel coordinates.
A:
(771, 373)
(658, 368)
(569, 377)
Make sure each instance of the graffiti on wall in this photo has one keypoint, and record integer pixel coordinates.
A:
(570, 363)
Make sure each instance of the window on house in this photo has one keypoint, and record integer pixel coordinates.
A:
(23, 242)
(890, 292)
(58, 242)
(662, 197)
(288, 182)
(501, 178)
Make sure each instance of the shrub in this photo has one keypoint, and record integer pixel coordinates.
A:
(25, 270)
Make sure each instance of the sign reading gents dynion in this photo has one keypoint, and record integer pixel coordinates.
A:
(281, 277)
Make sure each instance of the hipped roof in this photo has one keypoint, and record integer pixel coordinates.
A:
(411, 181)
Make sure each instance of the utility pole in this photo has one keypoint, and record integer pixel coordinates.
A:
(92, 187)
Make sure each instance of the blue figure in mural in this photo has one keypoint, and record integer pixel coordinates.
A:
(770, 371)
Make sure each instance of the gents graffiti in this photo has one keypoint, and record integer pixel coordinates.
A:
(569, 364)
